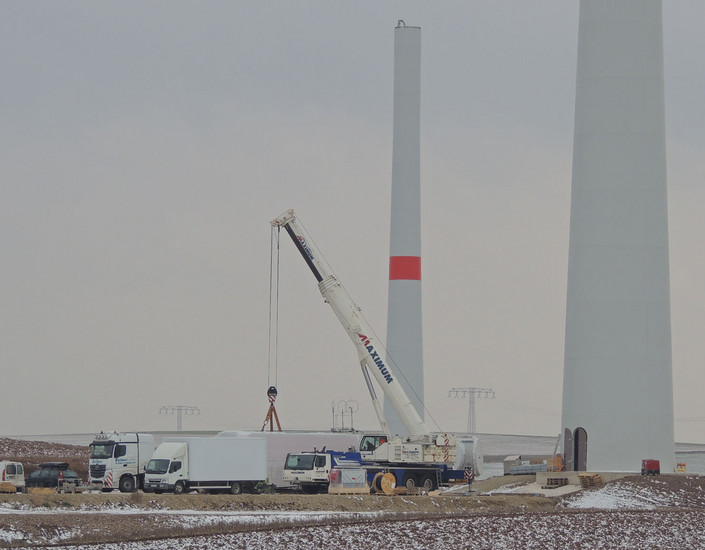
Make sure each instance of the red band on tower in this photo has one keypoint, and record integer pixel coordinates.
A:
(405, 267)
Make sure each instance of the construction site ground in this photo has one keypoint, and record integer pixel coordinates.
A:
(43, 519)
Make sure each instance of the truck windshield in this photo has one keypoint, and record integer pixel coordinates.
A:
(158, 466)
(102, 450)
(299, 462)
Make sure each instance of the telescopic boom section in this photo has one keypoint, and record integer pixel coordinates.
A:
(347, 312)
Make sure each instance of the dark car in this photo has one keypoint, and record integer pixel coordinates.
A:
(51, 474)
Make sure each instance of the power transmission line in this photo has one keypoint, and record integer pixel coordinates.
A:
(472, 394)
(179, 410)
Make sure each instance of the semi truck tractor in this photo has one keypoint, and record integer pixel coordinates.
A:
(211, 464)
(422, 457)
(118, 460)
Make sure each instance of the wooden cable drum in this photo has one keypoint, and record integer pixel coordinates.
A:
(384, 483)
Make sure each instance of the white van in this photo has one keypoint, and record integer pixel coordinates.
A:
(13, 473)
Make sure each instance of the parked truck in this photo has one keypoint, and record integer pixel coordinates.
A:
(212, 464)
(421, 458)
(119, 459)
(310, 470)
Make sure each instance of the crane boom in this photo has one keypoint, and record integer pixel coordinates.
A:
(347, 312)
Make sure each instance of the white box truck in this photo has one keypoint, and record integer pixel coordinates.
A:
(119, 459)
(181, 464)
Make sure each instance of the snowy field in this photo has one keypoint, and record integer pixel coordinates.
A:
(566, 531)
(665, 512)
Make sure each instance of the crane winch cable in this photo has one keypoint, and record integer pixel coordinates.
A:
(272, 354)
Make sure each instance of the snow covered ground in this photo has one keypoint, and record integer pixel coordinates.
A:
(565, 531)
(664, 512)
(643, 493)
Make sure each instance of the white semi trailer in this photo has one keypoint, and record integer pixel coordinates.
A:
(181, 464)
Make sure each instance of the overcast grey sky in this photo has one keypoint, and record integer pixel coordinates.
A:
(146, 146)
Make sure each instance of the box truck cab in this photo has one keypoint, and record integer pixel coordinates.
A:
(12, 473)
(119, 459)
(311, 470)
(167, 470)
(215, 464)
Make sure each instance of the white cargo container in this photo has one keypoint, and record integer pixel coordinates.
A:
(209, 463)
(279, 444)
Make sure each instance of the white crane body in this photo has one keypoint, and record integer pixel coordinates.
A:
(361, 335)
(445, 454)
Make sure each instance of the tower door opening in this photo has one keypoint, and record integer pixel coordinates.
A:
(580, 449)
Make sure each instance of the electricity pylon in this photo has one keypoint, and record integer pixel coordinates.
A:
(472, 394)
(179, 410)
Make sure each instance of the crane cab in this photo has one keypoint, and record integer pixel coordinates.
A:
(370, 443)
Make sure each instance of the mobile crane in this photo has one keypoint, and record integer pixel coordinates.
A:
(422, 458)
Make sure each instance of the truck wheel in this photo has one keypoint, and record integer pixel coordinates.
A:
(127, 484)
(428, 483)
(235, 488)
(179, 487)
(310, 489)
(409, 481)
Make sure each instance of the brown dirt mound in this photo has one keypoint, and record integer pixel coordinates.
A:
(33, 453)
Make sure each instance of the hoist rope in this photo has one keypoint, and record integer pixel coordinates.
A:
(272, 354)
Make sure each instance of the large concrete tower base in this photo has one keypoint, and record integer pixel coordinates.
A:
(617, 387)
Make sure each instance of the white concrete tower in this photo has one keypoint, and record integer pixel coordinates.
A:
(617, 383)
(404, 329)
